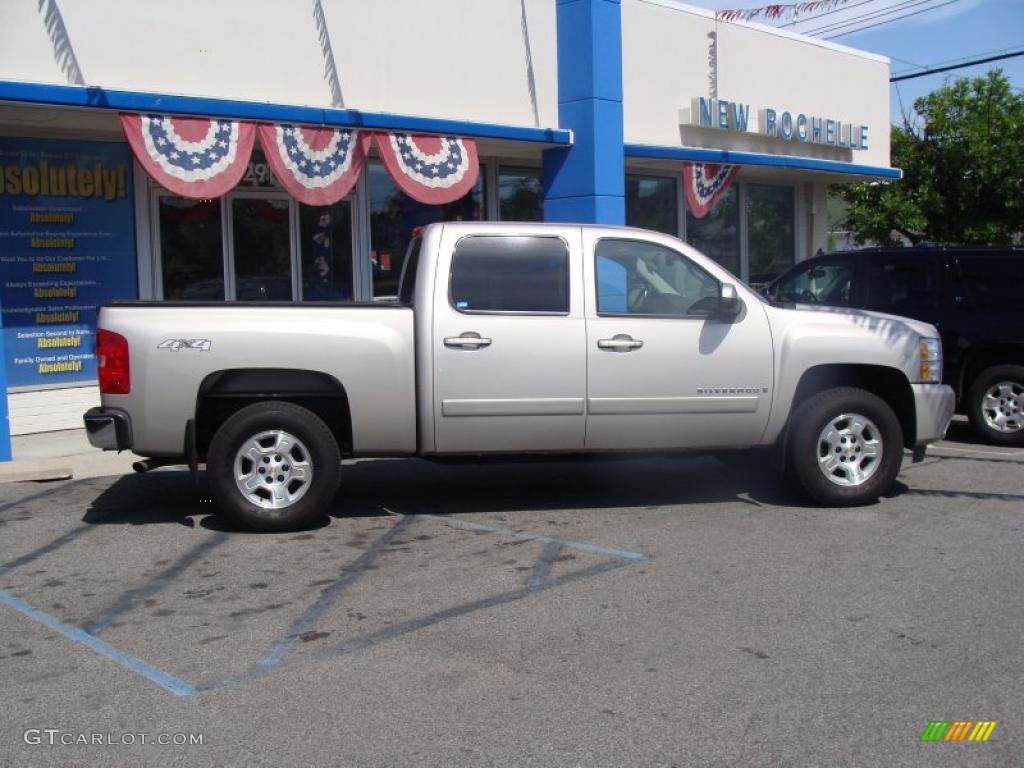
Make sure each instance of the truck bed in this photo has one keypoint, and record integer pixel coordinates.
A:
(177, 347)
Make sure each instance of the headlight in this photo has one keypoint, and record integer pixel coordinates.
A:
(930, 361)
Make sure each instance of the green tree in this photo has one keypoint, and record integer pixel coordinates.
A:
(963, 170)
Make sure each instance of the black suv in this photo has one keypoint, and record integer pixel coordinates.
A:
(974, 296)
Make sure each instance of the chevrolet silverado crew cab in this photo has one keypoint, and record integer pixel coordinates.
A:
(509, 339)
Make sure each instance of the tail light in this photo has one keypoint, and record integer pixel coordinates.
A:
(112, 363)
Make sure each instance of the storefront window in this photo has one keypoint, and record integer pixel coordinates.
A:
(263, 266)
(393, 217)
(326, 237)
(519, 195)
(770, 232)
(718, 234)
(191, 256)
(651, 204)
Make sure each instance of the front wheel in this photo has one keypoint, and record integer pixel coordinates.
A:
(846, 448)
(995, 404)
(273, 466)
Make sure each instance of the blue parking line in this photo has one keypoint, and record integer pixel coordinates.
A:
(582, 546)
(139, 667)
(331, 593)
(132, 597)
(542, 568)
(412, 625)
(56, 544)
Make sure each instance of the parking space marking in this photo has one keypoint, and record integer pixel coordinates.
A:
(537, 581)
(412, 625)
(542, 568)
(80, 636)
(582, 546)
(959, 453)
(350, 573)
(46, 549)
(132, 597)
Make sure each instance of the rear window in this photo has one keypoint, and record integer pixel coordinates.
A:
(994, 282)
(904, 284)
(407, 283)
(510, 274)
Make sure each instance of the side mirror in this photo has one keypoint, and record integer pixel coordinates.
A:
(725, 306)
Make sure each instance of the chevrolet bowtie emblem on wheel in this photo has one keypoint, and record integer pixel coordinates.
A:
(959, 730)
(203, 345)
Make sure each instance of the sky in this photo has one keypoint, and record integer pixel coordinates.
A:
(947, 31)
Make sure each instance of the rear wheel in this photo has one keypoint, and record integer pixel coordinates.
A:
(846, 448)
(273, 466)
(995, 404)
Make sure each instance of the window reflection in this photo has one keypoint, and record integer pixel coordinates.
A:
(718, 234)
(770, 232)
(520, 195)
(651, 204)
(192, 260)
(393, 217)
(326, 243)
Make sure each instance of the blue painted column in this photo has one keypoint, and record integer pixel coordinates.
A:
(586, 182)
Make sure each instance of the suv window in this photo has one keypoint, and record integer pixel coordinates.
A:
(824, 281)
(510, 274)
(902, 284)
(640, 278)
(994, 282)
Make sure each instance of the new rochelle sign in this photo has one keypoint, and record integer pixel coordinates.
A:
(733, 116)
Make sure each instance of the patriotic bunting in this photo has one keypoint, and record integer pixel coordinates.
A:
(704, 183)
(777, 11)
(191, 157)
(318, 166)
(206, 158)
(430, 169)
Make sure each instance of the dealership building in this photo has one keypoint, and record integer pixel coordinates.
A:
(288, 149)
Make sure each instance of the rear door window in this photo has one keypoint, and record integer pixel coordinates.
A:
(994, 282)
(510, 274)
(826, 281)
(903, 284)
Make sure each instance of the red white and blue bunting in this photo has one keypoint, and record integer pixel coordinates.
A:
(705, 183)
(192, 157)
(206, 158)
(431, 169)
(318, 166)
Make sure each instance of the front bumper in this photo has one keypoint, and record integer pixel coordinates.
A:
(108, 428)
(933, 404)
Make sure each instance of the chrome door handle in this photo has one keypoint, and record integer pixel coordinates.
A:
(467, 340)
(620, 342)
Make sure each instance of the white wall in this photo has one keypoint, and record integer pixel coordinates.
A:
(666, 65)
(462, 59)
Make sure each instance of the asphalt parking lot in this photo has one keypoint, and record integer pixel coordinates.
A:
(640, 612)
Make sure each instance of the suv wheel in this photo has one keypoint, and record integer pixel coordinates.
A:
(846, 448)
(273, 466)
(995, 404)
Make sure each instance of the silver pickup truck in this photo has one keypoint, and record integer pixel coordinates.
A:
(514, 338)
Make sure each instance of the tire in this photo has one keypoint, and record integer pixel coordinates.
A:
(810, 447)
(288, 457)
(1002, 422)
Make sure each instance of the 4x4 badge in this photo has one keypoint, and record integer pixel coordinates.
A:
(203, 345)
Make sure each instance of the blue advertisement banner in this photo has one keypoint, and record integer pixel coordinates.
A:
(67, 245)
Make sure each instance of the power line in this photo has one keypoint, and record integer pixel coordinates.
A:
(954, 60)
(889, 21)
(903, 5)
(985, 60)
(827, 13)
